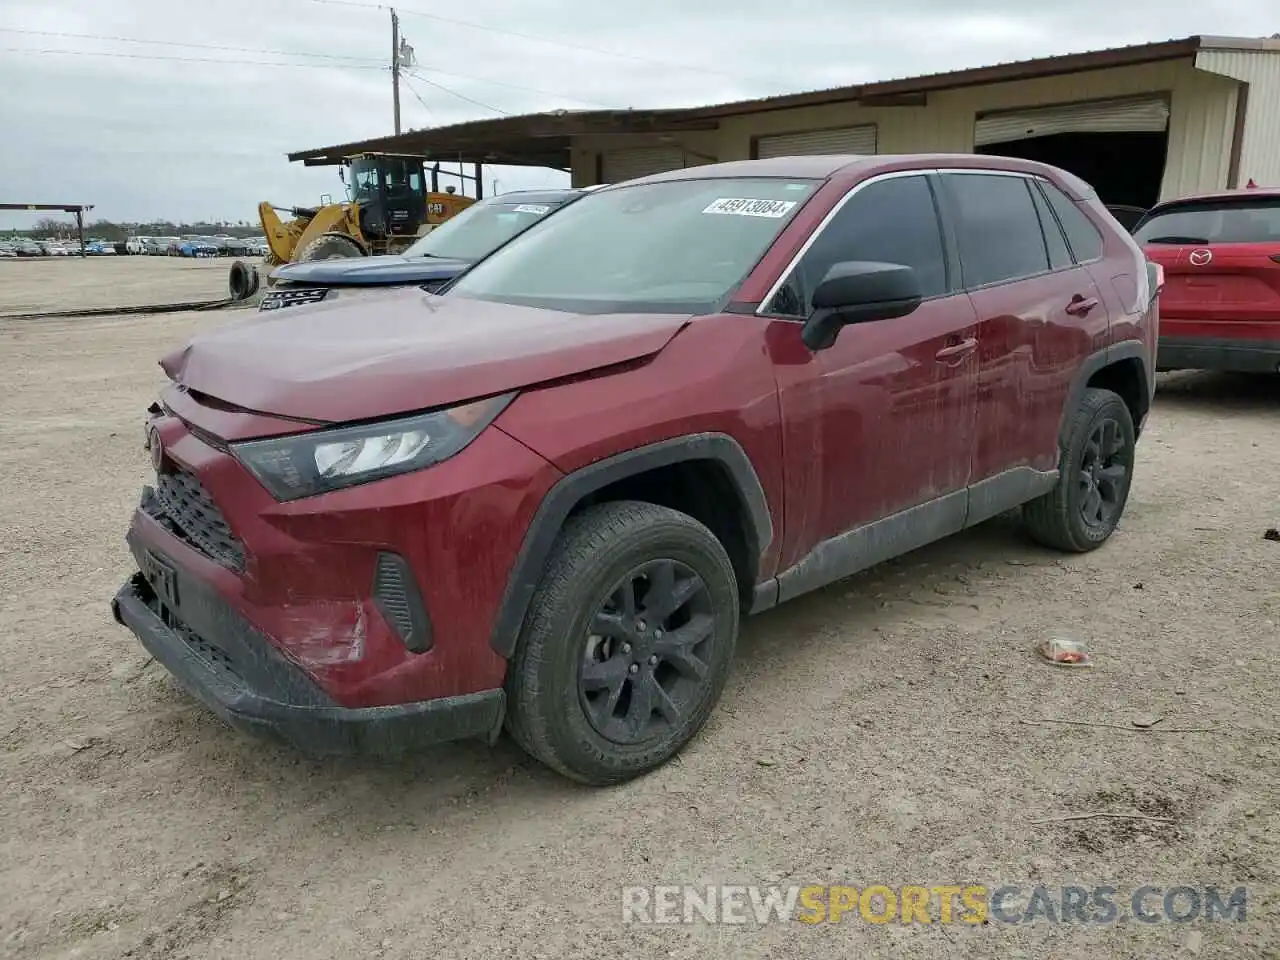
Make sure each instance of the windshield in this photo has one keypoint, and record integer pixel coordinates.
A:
(480, 229)
(678, 246)
(400, 176)
(1237, 221)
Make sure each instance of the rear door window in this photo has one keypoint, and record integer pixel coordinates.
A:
(998, 228)
(1235, 221)
(1084, 238)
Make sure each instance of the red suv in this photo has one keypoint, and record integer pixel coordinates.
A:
(547, 496)
(1220, 308)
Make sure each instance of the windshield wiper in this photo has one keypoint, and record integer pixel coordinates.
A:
(1177, 239)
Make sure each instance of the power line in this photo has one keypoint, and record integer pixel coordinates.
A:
(370, 62)
(417, 96)
(409, 11)
(516, 86)
(155, 56)
(196, 46)
(460, 96)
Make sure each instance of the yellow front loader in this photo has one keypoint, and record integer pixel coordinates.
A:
(389, 208)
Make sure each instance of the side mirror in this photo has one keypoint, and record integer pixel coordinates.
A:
(857, 291)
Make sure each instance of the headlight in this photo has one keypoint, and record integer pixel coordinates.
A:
(302, 465)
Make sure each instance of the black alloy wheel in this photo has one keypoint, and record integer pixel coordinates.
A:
(644, 664)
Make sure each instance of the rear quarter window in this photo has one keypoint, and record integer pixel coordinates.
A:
(1083, 237)
(1233, 221)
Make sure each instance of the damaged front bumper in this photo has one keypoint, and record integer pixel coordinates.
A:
(237, 673)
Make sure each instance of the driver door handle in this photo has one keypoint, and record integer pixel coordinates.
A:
(957, 351)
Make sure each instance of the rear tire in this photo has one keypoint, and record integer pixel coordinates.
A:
(1095, 473)
(329, 246)
(606, 684)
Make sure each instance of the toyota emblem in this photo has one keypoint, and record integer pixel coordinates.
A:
(1199, 258)
(156, 448)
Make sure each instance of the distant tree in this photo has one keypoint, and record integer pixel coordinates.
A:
(47, 227)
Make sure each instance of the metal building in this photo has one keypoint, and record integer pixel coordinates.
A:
(1142, 123)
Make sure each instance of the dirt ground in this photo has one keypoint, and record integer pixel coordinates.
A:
(57, 283)
(876, 732)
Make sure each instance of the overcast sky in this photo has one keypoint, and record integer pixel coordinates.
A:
(169, 138)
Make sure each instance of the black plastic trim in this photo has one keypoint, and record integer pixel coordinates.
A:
(313, 725)
(392, 572)
(1011, 488)
(856, 550)
(1233, 356)
(863, 547)
(1099, 360)
(572, 488)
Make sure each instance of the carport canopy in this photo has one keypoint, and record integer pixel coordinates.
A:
(535, 140)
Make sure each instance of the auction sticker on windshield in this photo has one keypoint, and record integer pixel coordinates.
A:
(742, 207)
(537, 208)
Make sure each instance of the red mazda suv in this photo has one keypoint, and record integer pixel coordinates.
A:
(1220, 309)
(545, 498)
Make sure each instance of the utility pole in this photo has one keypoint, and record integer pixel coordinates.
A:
(395, 67)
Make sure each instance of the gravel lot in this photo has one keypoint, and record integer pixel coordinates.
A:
(875, 732)
(49, 284)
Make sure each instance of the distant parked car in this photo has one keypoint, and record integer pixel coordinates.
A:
(137, 245)
(7, 252)
(54, 249)
(195, 247)
(430, 263)
(26, 248)
(1220, 309)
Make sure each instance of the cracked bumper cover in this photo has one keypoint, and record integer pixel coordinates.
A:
(273, 698)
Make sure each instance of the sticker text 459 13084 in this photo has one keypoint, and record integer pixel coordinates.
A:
(743, 207)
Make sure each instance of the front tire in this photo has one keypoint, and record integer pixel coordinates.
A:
(627, 643)
(1095, 473)
(329, 246)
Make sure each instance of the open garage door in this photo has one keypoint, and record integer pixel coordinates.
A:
(1117, 145)
(628, 164)
(860, 140)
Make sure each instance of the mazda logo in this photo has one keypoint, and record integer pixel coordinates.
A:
(1199, 258)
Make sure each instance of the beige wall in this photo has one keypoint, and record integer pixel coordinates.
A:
(1202, 116)
(1260, 150)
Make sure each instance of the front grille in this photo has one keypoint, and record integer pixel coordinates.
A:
(186, 509)
(292, 297)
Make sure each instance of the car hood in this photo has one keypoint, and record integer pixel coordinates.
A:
(401, 351)
(371, 271)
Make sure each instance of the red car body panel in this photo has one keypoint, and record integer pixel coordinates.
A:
(1220, 306)
(894, 414)
(307, 580)
(1235, 294)
(413, 352)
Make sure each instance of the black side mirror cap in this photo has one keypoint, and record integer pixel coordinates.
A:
(858, 291)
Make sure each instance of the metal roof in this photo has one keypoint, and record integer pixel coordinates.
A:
(64, 207)
(544, 139)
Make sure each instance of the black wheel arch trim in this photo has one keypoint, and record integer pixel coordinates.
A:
(572, 488)
(1100, 360)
